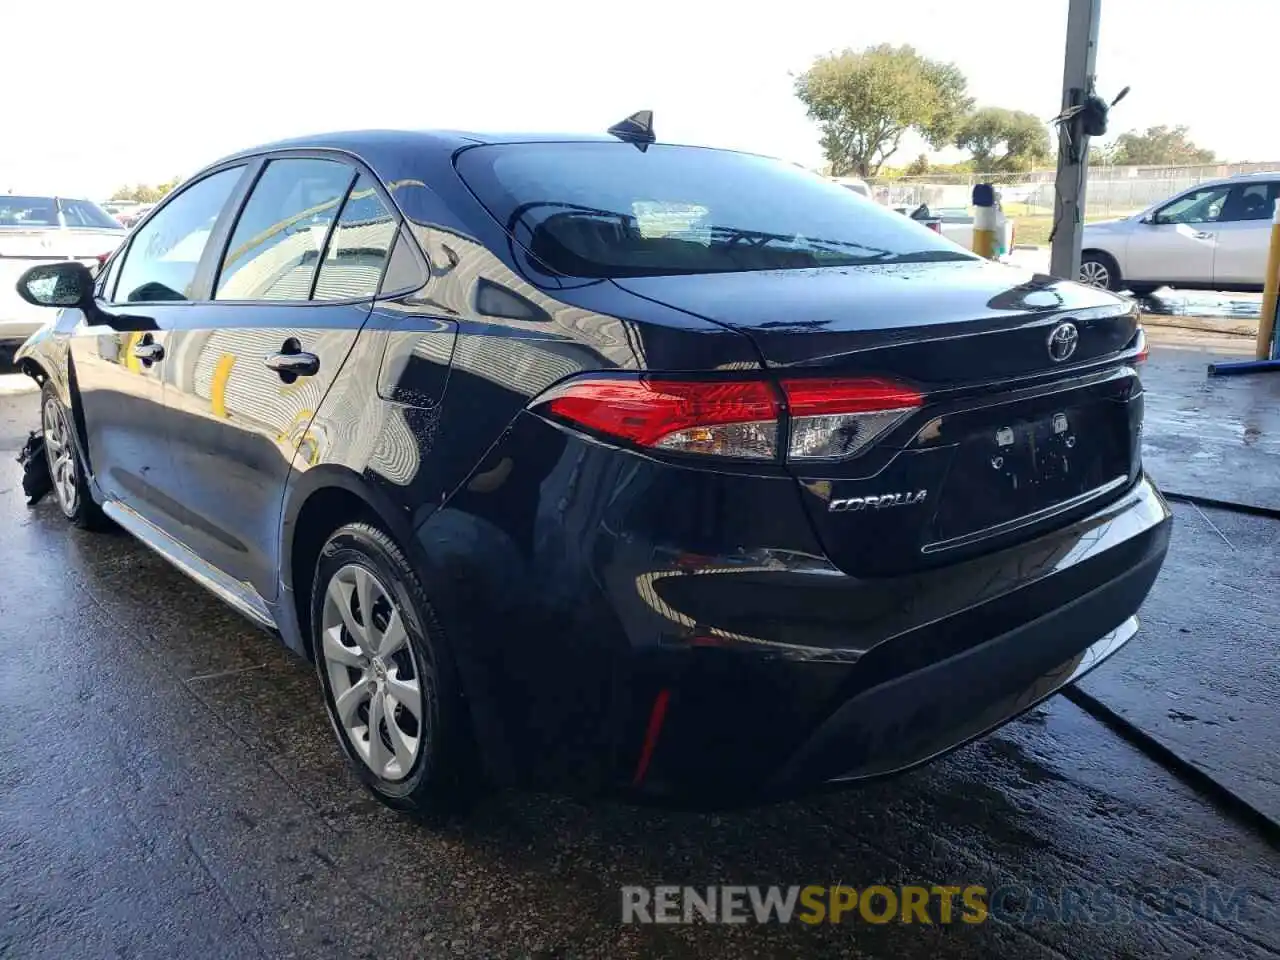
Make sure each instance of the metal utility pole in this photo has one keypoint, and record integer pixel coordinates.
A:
(1073, 145)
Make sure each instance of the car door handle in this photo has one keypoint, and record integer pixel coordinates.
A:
(293, 364)
(149, 352)
(1202, 235)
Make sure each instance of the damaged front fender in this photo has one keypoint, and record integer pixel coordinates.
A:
(45, 357)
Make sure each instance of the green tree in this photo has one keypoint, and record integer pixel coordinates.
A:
(1161, 147)
(145, 193)
(866, 101)
(918, 167)
(1102, 155)
(1003, 140)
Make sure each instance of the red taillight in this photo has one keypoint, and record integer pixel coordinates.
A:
(830, 418)
(726, 418)
(811, 397)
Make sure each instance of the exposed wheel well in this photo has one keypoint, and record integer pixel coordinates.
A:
(33, 370)
(323, 512)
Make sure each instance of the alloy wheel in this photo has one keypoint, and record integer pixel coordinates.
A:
(1095, 274)
(373, 679)
(61, 455)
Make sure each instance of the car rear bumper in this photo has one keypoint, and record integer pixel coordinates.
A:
(924, 691)
(678, 635)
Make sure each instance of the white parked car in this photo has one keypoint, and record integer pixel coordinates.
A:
(856, 184)
(35, 229)
(1211, 237)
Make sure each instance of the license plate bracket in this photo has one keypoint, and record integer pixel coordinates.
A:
(1009, 470)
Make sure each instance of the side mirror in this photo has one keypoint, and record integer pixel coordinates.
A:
(1149, 219)
(67, 283)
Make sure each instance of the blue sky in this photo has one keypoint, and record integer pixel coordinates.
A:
(138, 90)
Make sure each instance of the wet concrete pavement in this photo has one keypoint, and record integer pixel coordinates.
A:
(1205, 681)
(1213, 437)
(169, 787)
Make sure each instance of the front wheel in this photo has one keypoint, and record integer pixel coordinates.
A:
(66, 470)
(389, 686)
(1099, 270)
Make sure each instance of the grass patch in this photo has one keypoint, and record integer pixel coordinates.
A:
(1034, 224)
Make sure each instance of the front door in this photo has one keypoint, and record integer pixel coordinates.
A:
(1244, 235)
(1177, 245)
(119, 376)
(251, 366)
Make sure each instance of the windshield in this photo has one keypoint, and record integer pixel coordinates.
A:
(43, 212)
(609, 210)
(28, 211)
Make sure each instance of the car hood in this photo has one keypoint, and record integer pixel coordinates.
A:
(1118, 225)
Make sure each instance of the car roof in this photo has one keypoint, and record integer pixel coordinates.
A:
(375, 145)
(1240, 178)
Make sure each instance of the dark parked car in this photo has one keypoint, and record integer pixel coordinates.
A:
(609, 465)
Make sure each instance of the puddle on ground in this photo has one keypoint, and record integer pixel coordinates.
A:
(1191, 303)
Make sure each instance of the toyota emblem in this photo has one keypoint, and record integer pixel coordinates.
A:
(1063, 342)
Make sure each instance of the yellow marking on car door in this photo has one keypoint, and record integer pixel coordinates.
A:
(218, 385)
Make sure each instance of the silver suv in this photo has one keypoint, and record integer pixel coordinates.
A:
(1213, 236)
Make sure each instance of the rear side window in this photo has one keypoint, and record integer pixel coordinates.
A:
(359, 247)
(1249, 201)
(164, 254)
(599, 209)
(276, 246)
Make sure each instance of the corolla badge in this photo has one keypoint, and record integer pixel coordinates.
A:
(877, 501)
(1063, 341)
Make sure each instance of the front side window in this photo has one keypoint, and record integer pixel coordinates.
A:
(601, 209)
(276, 246)
(1199, 206)
(359, 247)
(165, 253)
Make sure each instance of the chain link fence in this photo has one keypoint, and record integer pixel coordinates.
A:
(1112, 191)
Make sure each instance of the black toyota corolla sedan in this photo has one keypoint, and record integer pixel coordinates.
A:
(608, 465)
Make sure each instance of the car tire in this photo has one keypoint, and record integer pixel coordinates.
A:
(423, 762)
(67, 475)
(1100, 270)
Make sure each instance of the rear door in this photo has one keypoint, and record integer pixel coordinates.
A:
(119, 376)
(1177, 246)
(251, 365)
(1244, 234)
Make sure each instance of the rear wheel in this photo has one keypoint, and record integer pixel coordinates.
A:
(66, 470)
(389, 686)
(1099, 270)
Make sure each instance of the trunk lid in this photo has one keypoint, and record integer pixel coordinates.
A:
(1012, 437)
(890, 319)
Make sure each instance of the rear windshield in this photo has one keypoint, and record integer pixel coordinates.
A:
(84, 213)
(610, 210)
(43, 212)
